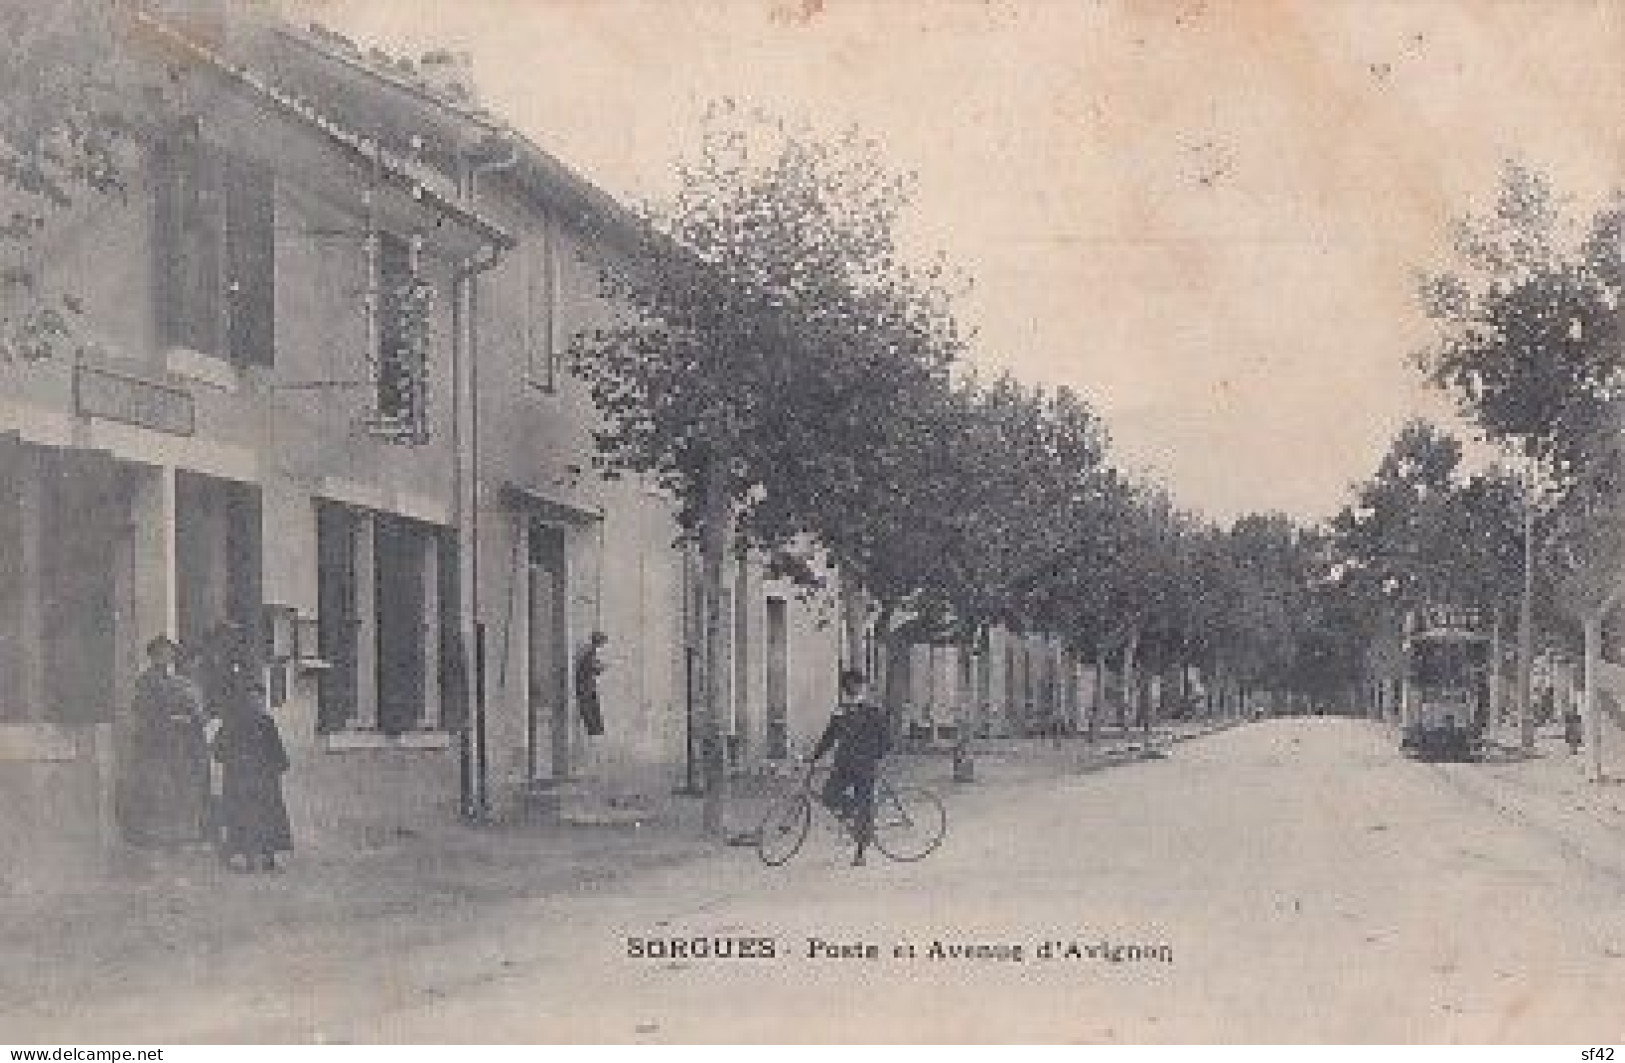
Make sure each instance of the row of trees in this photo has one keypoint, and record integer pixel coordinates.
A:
(782, 370)
(1527, 339)
(799, 385)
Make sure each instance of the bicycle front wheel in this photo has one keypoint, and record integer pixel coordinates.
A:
(783, 829)
(909, 822)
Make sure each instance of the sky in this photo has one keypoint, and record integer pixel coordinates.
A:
(1207, 217)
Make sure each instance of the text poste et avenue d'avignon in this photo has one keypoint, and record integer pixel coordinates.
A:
(708, 947)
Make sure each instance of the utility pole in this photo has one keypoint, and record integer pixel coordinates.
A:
(1526, 616)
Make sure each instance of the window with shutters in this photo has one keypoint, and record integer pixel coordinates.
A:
(214, 236)
(404, 308)
(386, 622)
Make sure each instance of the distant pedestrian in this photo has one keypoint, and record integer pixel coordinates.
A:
(162, 796)
(1571, 730)
(254, 819)
(589, 666)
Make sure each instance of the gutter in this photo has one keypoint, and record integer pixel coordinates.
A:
(475, 771)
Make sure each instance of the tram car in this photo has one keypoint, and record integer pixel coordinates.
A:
(1445, 701)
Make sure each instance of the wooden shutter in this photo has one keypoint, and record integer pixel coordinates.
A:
(203, 300)
(13, 696)
(400, 552)
(250, 281)
(167, 163)
(336, 620)
(83, 512)
(453, 658)
(244, 597)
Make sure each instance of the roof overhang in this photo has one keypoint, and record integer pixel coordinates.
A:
(528, 500)
(405, 184)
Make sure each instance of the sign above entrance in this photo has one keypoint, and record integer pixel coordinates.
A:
(116, 396)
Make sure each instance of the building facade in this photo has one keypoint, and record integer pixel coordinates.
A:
(324, 409)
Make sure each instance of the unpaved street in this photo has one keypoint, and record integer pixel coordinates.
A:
(1310, 885)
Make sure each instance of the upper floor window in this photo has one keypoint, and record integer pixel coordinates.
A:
(541, 297)
(403, 309)
(214, 234)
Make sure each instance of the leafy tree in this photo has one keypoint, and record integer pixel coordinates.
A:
(62, 122)
(1419, 531)
(769, 328)
(1528, 339)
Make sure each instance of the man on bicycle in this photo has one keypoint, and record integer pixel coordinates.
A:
(857, 732)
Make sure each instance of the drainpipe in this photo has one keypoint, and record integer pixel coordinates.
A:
(474, 772)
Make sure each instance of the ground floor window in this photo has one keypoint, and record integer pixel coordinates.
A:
(386, 618)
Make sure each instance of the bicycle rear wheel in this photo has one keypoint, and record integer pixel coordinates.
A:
(783, 829)
(909, 822)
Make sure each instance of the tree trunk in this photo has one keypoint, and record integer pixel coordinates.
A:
(1592, 704)
(971, 700)
(1495, 673)
(854, 612)
(713, 555)
(1131, 681)
(1100, 691)
(895, 674)
(1149, 695)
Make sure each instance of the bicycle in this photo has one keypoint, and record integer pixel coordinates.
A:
(909, 821)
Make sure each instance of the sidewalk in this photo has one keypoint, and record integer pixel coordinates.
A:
(1551, 793)
(151, 910)
(997, 762)
(151, 914)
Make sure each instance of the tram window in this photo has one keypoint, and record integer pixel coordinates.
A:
(1430, 663)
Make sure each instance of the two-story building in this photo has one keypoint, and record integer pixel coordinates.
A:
(324, 405)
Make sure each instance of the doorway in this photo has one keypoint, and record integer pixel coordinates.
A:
(778, 681)
(217, 560)
(548, 655)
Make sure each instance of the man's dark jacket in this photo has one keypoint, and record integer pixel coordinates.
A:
(858, 732)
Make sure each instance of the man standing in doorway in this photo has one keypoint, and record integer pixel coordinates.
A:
(589, 666)
(857, 732)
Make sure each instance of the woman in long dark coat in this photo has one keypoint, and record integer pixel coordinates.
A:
(163, 788)
(254, 819)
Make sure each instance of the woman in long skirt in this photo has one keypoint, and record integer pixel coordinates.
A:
(163, 785)
(253, 817)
